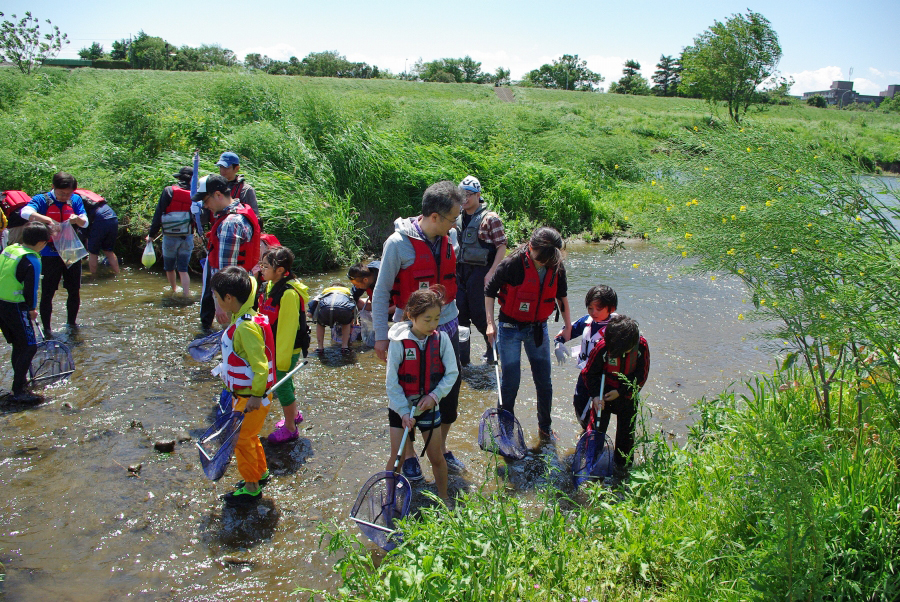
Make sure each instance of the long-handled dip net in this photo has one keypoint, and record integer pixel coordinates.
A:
(499, 431)
(52, 363)
(205, 348)
(593, 457)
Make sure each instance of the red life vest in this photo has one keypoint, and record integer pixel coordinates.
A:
(531, 301)
(90, 198)
(613, 367)
(234, 369)
(421, 370)
(181, 200)
(248, 254)
(426, 271)
(59, 212)
(13, 200)
(271, 306)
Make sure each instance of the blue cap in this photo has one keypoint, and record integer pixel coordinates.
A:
(228, 159)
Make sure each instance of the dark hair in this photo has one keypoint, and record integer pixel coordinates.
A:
(422, 300)
(440, 198)
(64, 181)
(621, 336)
(604, 294)
(279, 257)
(546, 247)
(35, 232)
(360, 270)
(233, 280)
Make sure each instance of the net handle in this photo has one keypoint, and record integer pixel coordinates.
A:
(497, 373)
(39, 329)
(286, 377)
(403, 443)
(590, 403)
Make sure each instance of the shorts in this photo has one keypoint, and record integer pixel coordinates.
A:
(102, 235)
(177, 251)
(425, 422)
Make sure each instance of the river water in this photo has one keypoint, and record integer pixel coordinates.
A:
(75, 526)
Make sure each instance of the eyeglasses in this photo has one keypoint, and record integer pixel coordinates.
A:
(452, 220)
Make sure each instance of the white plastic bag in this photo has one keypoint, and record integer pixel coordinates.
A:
(149, 256)
(68, 245)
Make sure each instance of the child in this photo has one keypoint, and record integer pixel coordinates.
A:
(601, 302)
(103, 227)
(421, 370)
(248, 369)
(333, 306)
(283, 302)
(624, 356)
(531, 284)
(20, 273)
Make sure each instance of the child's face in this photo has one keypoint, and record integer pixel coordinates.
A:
(598, 312)
(269, 273)
(426, 323)
(229, 303)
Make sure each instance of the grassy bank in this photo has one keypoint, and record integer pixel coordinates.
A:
(335, 161)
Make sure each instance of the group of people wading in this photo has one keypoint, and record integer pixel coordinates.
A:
(440, 270)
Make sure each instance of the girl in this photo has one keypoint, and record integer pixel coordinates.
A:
(421, 370)
(283, 301)
(531, 284)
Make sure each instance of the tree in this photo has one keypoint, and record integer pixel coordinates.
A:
(91, 53)
(501, 77)
(818, 101)
(213, 55)
(566, 73)
(23, 45)
(632, 81)
(188, 59)
(119, 50)
(150, 52)
(462, 71)
(255, 62)
(667, 76)
(730, 60)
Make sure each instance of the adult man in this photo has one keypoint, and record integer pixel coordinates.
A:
(420, 254)
(60, 204)
(229, 165)
(173, 217)
(233, 239)
(482, 245)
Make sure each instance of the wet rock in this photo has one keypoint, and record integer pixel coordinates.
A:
(135, 470)
(136, 424)
(184, 436)
(66, 405)
(236, 560)
(165, 446)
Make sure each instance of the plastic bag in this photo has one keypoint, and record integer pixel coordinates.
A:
(367, 328)
(68, 245)
(149, 256)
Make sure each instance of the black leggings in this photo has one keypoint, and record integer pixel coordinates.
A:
(16, 326)
(53, 269)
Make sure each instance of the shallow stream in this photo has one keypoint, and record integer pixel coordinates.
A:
(75, 526)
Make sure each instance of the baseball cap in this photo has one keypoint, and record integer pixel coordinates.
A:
(209, 184)
(471, 184)
(228, 159)
(184, 174)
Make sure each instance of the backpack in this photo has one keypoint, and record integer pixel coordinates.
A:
(12, 201)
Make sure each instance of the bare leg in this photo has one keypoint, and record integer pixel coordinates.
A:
(438, 466)
(185, 284)
(170, 276)
(346, 329)
(410, 451)
(320, 340)
(113, 261)
(396, 436)
(290, 415)
(92, 264)
(445, 428)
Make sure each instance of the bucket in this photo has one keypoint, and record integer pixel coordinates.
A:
(464, 345)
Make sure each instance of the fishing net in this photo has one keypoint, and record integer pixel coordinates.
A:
(223, 405)
(499, 432)
(593, 457)
(205, 348)
(383, 500)
(51, 364)
(216, 446)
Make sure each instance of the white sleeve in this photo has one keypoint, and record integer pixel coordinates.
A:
(397, 400)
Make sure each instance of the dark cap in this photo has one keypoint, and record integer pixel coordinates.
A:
(208, 185)
(184, 174)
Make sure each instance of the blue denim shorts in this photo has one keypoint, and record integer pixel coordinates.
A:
(177, 251)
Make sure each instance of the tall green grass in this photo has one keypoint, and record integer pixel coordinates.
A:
(568, 160)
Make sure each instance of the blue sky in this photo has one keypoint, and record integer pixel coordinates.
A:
(820, 40)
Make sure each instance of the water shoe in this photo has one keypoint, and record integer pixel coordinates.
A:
(282, 435)
(242, 497)
(411, 469)
(297, 420)
(262, 480)
(453, 464)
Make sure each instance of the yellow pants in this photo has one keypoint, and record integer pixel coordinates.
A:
(251, 459)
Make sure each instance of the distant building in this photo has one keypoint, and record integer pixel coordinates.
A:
(841, 94)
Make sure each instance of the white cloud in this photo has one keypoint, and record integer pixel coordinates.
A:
(894, 73)
(867, 86)
(876, 72)
(814, 81)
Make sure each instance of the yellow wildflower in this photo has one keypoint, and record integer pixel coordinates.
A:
(684, 253)
(742, 129)
(809, 225)
(796, 171)
(780, 188)
(688, 235)
(695, 129)
(743, 207)
(635, 265)
(659, 229)
(793, 250)
(653, 182)
(712, 277)
(740, 316)
(740, 270)
(705, 169)
(769, 203)
(724, 220)
(733, 217)
(670, 275)
(616, 166)
(730, 251)
(749, 150)
(669, 208)
(762, 301)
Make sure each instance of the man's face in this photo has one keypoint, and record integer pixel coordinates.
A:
(215, 201)
(63, 195)
(229, 173)
(443, 223)
(472, 201)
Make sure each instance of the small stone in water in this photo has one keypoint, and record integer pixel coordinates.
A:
(67, 405)
(136, 424)
(135, 469)
(165, 446)
(235, 560)
(184, 436)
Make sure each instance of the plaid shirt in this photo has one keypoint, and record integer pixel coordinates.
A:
(491, 229)
(233, 230)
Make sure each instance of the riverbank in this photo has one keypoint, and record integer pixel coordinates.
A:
(335, 161)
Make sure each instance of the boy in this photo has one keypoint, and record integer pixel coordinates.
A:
(624, 357)
(363, 277)
(333, 306)
(20, 273)
(248, 369)
(601, 302)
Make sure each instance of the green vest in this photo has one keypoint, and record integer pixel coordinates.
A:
(11, 289)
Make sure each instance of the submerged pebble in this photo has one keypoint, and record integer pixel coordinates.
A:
(165, 446)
